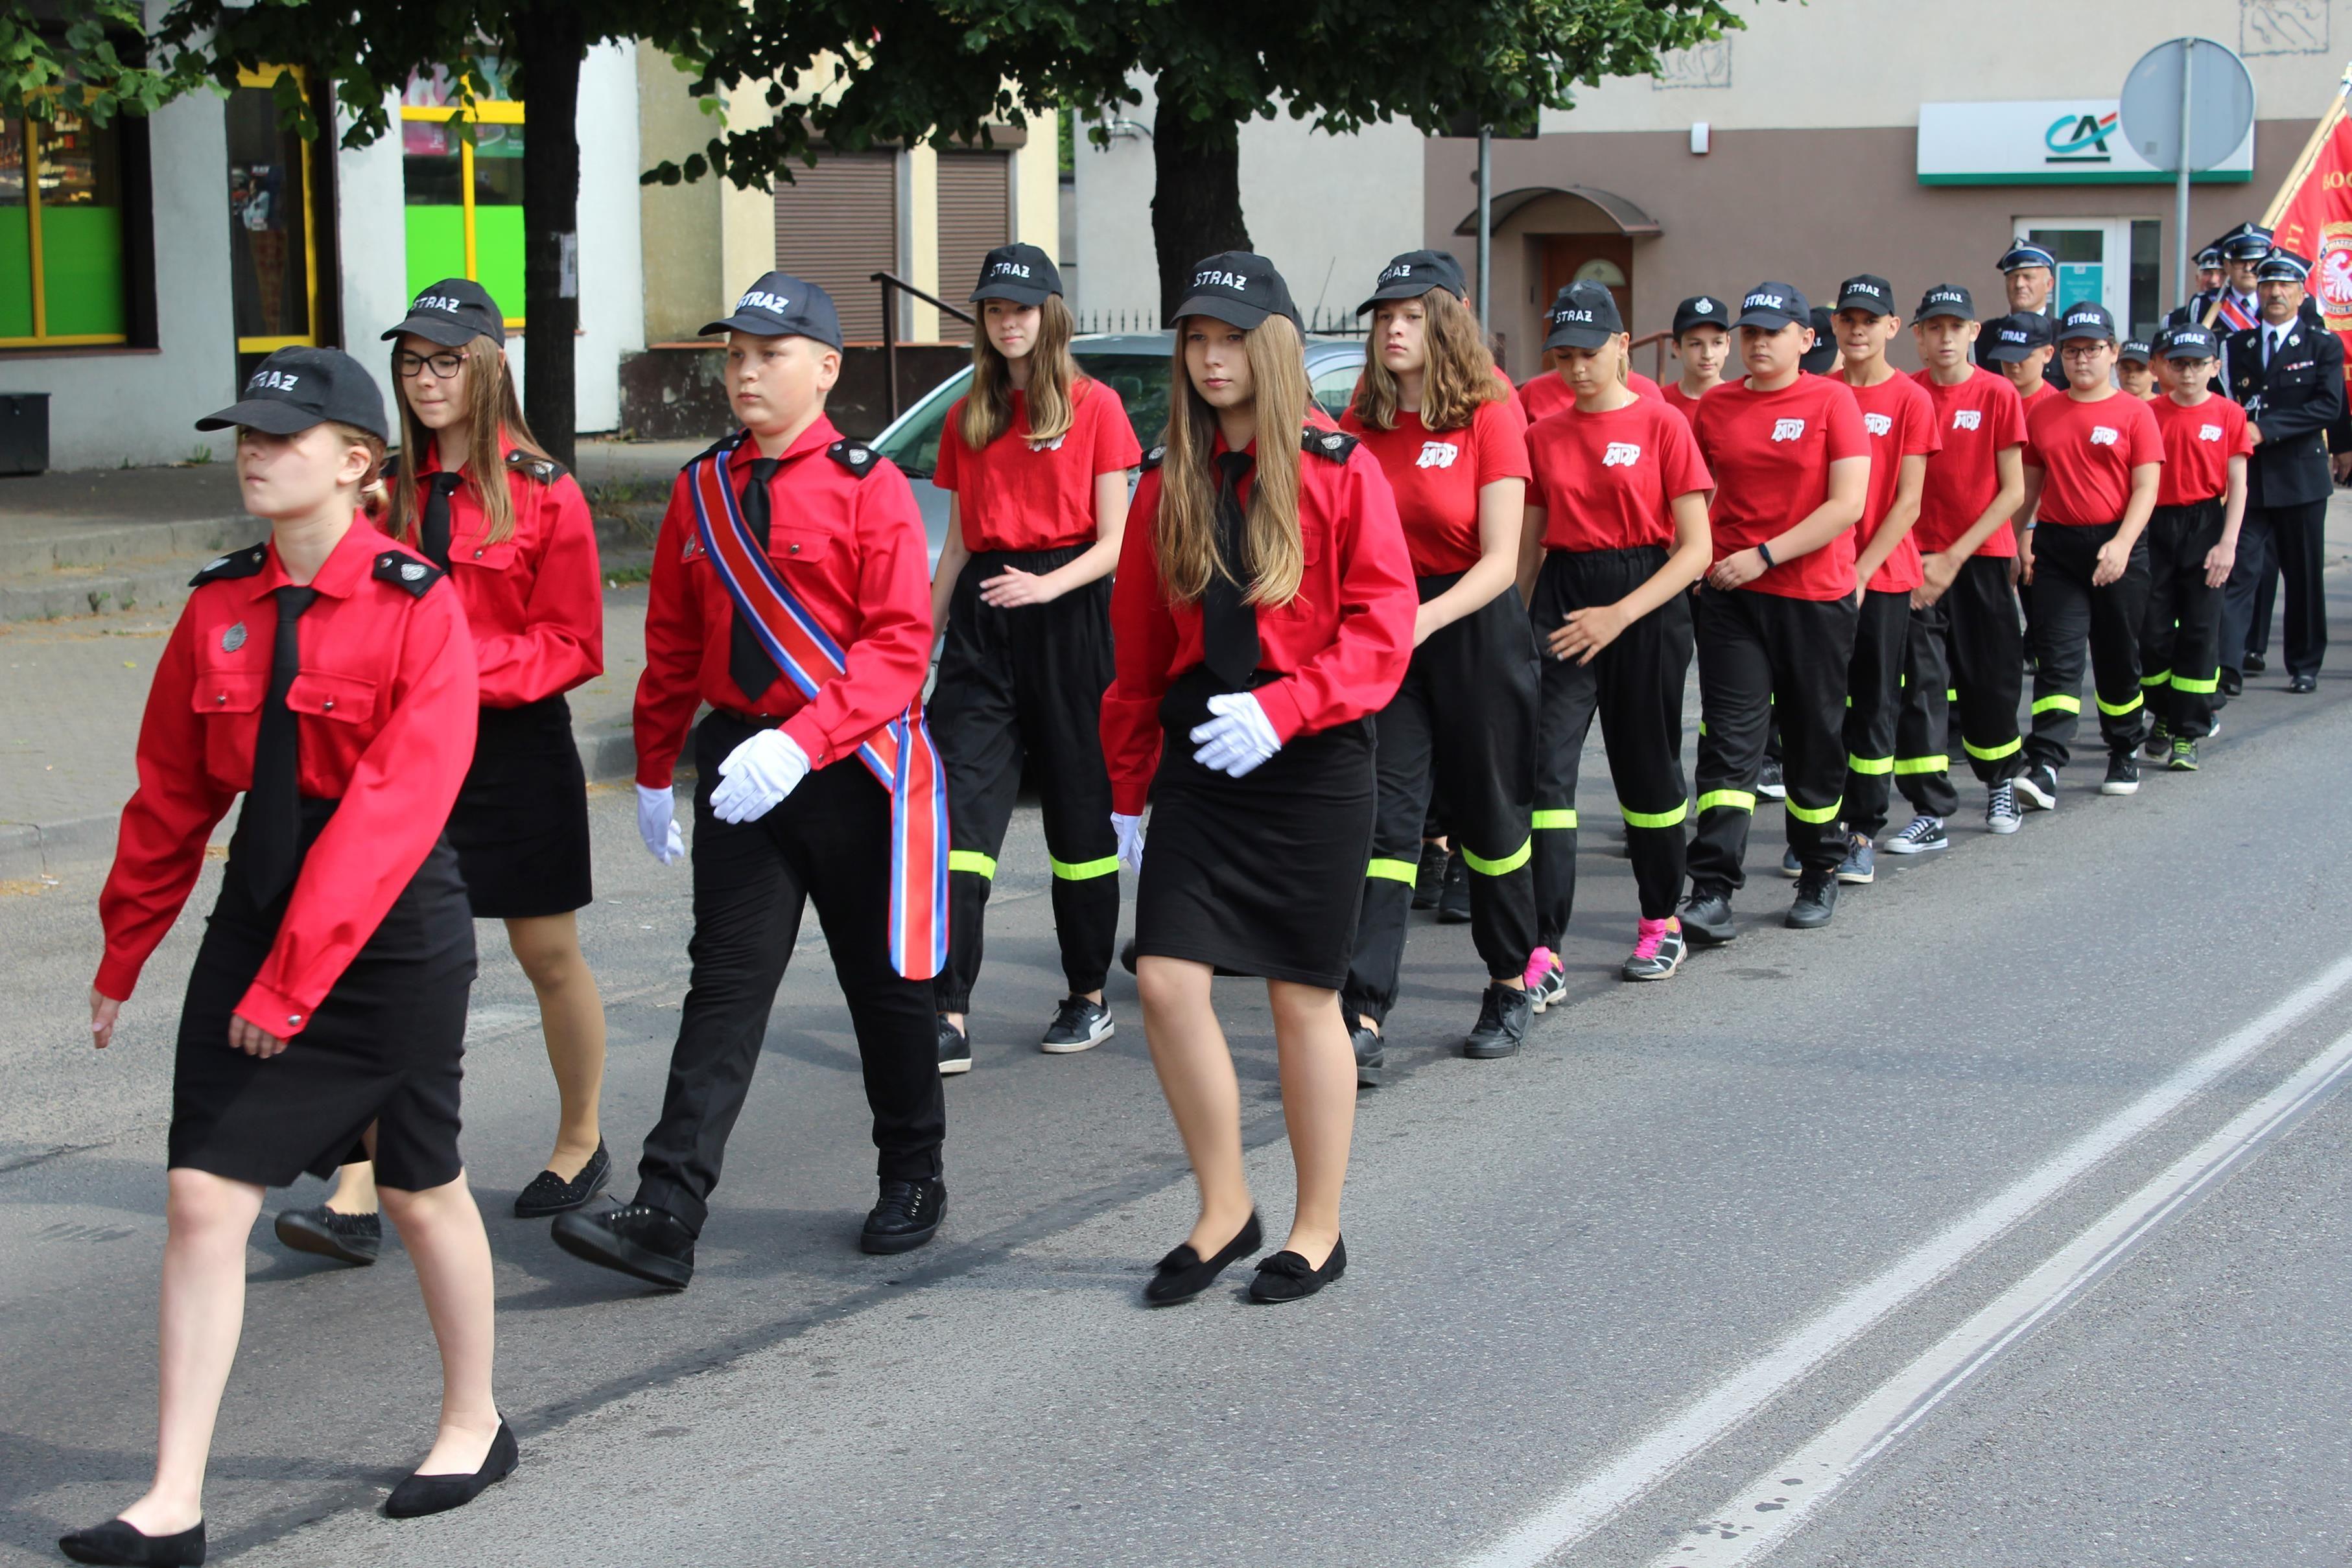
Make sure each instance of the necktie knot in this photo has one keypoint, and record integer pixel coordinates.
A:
(1231, 466)
(446, 483)
(764, 468)
(293, 602)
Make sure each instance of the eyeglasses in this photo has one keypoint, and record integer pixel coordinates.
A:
(444, 366)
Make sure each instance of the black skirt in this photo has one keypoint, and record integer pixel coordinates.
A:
(1262, 874)
(385, 1046)
(520, 825)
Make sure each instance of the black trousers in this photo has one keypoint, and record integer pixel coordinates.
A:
(1634, 686)
(2068, 612)
(1465, 718)
(1963, 659)
(1026, 681)
(828, 842)
(2258, 624)
(1873, 706)
(2289, 539)
(2180, 637)
(1765, 658)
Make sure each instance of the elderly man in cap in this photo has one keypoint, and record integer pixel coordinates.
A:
(2028, 275)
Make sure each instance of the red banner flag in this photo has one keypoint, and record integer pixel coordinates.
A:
(2317, 222)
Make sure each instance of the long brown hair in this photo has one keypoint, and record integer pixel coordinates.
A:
(1053, 381)
(492, 411)
(1185, 535)
(1457, 377)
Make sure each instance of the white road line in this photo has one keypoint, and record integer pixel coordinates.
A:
(1592, 1503)
(1769, 1511)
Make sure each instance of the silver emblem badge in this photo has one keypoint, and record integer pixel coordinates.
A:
(858, 455)
(411, 572)
(233, 639)
(1331, 442)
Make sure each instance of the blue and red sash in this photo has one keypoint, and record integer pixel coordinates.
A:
(2236, 319)
(900, 754)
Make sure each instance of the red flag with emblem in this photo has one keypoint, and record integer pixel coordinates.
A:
(2317, 222)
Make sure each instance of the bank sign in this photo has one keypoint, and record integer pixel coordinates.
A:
(2047, 141)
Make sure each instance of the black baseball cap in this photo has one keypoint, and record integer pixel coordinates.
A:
(1773, 305)
(1946, 299)
(1239, 287)
(2189, 341)
(2282, 266)
(2087, 320)
(295, 388)
(1414, 274)
(2247, 242)
(1020, 272)
(1582, 316)
(783, 306)
(2014, 337)
(453, 313)
(2024, 254)
(1701, 310)
(1866, 291)
(1817, 360)
(2135, 351)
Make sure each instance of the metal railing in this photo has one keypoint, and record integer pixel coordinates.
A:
(889, 282)
(1323, 323)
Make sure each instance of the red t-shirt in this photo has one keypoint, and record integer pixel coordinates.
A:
(1681, 401)
(1546, 394)
(1975, 422)
(1900, 421)
(2199, 442)
(1607, 481)
(1020, 495)
(1770, 454)
(1437, 475)
(2086, 452)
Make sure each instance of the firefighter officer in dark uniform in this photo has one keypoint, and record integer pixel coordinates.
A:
(2289, 376)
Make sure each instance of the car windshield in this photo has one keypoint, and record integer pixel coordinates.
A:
(1141, 381)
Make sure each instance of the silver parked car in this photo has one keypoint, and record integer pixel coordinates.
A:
(1134, 365)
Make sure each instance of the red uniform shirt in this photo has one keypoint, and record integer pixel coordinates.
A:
(1607, 481)
(1770, 454)
(851, 550)
(1681, 401)
(1436, 475)
(1546, 394)
(2086, 452)
(1340, 647)
(2199, 442)
(1020, 495)
(534, 599)
(1900, 421)
(1977, 421)
(385, 704)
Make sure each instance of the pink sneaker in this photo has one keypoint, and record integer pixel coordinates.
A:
(1657, 950)
(1546, 981)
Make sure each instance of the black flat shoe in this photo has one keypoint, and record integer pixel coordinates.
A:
(345, 1238)
(551, 1194)
(420, 1495)
(637, 1239)
(906, 1215)
(1183, 1275)
(121, 1542)
(1287, 1277)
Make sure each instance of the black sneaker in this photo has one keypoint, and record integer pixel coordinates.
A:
(2214, 727)
(1706, 919)
(1428, 876)
(2123, 775)
(1817, 895)
(906, 1215)
(1502, 1026)
(2233, 685)
(2158, 744)
(1453, 894)
(955, 1049)
(2303, 686)
(1371, 1059)
(1769, 783)
(345, 1238)
(2037, 787)
(2184, 755)
(2001, 808)
(636, 1238)
(1923, 835)
(1080, 1024)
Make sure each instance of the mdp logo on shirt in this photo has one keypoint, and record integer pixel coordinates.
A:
(1877, 424)
(1967, 418)
(1053, 445)
(2103, 436)
(1620, 454)
(1787, 430)
(1436, 454)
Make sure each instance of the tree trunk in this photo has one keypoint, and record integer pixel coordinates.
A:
(549, 44)
(1196, 199)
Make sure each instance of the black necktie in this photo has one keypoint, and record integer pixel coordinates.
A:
(272, 823)
(747, 665)
(434, 534)
(1228, 622)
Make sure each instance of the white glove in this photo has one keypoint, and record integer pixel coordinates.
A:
(758, 774)
(657, 825)
(1130, 840)
(1239, 738)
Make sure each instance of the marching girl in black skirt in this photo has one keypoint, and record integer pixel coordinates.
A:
(1264, 609)
(520, 551)
(1035, 460)
(328, 677)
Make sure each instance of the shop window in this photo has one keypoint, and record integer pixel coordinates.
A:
(62, 251)
(464, 194)
(272, 222)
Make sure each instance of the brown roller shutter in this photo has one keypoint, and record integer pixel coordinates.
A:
(975, 217)
(838, 224)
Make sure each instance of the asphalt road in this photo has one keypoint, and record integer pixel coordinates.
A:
(1600, 1293)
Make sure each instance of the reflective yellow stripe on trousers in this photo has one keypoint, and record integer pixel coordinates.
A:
(974, 862)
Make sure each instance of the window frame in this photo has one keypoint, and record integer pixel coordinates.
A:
(480, 112)
(27, 128)
(268, 78)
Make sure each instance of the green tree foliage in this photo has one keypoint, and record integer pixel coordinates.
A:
(85, 58)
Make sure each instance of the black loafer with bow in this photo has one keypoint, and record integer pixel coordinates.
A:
(551, 1194)
(1184, 1273)
(1287, 1277)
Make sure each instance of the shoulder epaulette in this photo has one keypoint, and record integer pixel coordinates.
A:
(247, 563)
(1152, 458)
(1331, 444)
(726, 443)
(406, 572)
(546, 470)
(855, 456)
